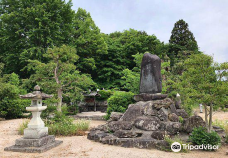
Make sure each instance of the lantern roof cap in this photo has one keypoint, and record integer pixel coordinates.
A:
(37, 94)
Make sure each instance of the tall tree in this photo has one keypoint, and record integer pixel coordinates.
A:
(199, 83)
(182, 42)
(28, 28)
(89, 42)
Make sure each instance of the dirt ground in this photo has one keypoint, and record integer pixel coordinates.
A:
(81, 147)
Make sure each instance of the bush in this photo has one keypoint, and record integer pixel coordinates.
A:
(119, 102)
(61, 125)
(51, 109)
(105, 94)
(11, 106)
(201, 136)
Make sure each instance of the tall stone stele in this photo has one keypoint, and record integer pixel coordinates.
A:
(36, 138)
(150, 79)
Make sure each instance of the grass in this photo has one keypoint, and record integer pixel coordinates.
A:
(170, 141)
(223, 125)
(23, 126)
(65, 127)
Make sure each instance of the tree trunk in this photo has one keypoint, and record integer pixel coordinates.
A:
(210, 118)
(206, 120)
(59, 100)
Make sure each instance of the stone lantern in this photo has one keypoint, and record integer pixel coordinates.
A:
(36, 138)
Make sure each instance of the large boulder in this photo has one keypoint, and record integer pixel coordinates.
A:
(163, 114)
(119, 125)
(158, 104)
(96, 135)
(173, 117)
(115, 116)
(182, 113)
(148, 109)
(173, 127)
(160, 135)
(133, 111)
(192, 122)
(147, 123)
(126, 134)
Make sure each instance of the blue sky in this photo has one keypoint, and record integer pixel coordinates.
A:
(207, 19)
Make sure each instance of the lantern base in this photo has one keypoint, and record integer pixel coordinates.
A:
(34, 145)
(35, 133)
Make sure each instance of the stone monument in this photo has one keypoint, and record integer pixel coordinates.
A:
(36, 138)
(150, 79)
(150, 119)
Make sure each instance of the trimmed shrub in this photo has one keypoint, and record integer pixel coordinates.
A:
(105, 94)
(11, 106)
(119, 102)
(201, 136)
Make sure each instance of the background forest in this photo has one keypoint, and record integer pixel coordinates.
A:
(45, 42)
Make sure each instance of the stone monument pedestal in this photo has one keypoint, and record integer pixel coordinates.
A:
(148, 97)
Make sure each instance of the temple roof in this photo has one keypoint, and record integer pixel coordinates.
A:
(37, 94)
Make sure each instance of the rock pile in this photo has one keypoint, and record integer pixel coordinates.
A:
(145, 124)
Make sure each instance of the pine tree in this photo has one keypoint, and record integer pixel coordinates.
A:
(182, 36)
(182, 42)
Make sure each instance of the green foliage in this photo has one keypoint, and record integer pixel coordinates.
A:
(119, 102)
(200, 136)
(29, 28)
(51, 110)
(122, 46)
(89, 43)
(131, 80)
(10, 104)
(181, 120)
(82, 125)
(170, 141)
(60, 74)
(64, 125)
(182, 42)
(105, 94)
(22, 127)
(61, 125)
(223, 125)
(198, 83)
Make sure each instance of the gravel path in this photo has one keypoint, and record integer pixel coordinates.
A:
(81, 147)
